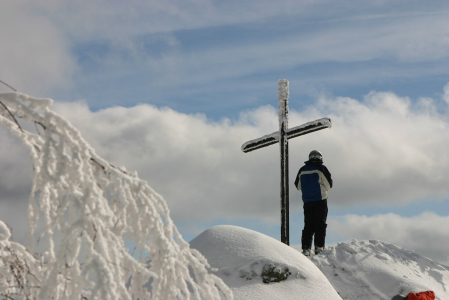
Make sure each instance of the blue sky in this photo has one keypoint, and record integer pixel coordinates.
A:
(221, 67)
(172, 89)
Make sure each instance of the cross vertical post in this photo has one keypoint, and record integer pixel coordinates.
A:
(283, 94)
(282, 136)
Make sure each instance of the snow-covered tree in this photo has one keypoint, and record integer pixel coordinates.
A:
(82, 210)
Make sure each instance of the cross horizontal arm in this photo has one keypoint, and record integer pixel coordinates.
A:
(309, 127)
(264, 141)
(273, 138)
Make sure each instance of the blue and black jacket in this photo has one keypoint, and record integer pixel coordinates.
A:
(314, 180)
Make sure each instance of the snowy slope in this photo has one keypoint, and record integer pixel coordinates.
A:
(368, 270)
(239, 254)
(378, 270)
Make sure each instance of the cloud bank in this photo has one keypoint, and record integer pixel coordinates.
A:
(35, 54)
(383, 150)
(426, 233)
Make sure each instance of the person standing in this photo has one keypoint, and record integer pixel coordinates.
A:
(314, 180)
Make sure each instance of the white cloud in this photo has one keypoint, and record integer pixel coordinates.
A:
(108, 19)
(40, 39)
(90, 19)
(196, 165)
(446, 93)
(426, 234)
(383, 150)
(412, 42)
(34, 54)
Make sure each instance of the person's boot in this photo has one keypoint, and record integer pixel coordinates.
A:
(307, 252)
(318, 250)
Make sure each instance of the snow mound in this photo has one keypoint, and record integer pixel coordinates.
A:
(244, 259)
(378, 270)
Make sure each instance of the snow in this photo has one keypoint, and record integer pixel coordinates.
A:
(239, 254)
(378, 270)
(283, 93)
(264, 141)
(369, 270)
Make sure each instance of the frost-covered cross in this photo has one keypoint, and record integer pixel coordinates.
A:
(282, 136)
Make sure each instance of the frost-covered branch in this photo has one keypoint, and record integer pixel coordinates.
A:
(84, 210)
(18, 269)
(12, 116)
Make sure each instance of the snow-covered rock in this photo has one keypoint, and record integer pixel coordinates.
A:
(240, 255)
(378, 270)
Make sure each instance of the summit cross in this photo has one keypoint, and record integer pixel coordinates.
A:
(282, 136)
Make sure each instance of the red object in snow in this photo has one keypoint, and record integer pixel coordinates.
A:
(429, 295)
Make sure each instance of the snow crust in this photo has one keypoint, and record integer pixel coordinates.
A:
(378, 270)
(239, 254)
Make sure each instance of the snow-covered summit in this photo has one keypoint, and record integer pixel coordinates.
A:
(369, 270)
(241, 256)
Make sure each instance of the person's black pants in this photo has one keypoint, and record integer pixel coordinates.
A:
(315, 216)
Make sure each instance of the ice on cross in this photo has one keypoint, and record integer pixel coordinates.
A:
(282, 136)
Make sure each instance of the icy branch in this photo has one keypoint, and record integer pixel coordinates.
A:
(84, 209)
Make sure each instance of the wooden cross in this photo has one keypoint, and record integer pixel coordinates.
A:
(282, 136)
